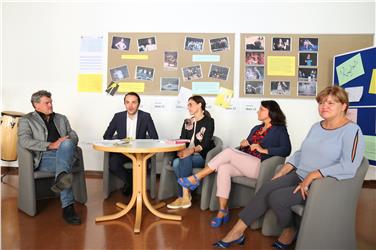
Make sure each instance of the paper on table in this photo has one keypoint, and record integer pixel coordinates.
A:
(355, 93)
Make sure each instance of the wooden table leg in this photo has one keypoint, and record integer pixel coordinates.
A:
(146, 199)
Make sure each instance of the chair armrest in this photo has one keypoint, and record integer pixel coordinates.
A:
(212, 153)
(267, 169)
(26, 163)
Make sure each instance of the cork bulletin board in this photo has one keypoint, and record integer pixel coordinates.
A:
(291, 65)
(161, 63)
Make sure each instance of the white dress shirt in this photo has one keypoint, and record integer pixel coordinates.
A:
(132, 126)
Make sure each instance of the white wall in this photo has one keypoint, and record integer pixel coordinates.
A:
(41, 51)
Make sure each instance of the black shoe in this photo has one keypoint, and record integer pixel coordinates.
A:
(127, 189)
(70, 215)
(63, 181)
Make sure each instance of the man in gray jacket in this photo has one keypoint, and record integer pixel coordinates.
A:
(53, 143)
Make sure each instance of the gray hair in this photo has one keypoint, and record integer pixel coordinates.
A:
(35, 98)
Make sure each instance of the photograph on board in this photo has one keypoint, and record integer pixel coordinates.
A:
(147, 44)
(307, 59)
(281, 44)
(119, 73)
(307, 74)
(254, 58)
(219, 72)
(308, 44)
(219, 44)
(254, 73)
(144, 73)
(254, 88)
(255, 42)
(170, 60)
(120, 43)
(192, 73)
(169, 84)
(280, 88)
(194, 44)
(307, 88)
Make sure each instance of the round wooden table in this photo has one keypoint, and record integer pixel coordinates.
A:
(139, 151)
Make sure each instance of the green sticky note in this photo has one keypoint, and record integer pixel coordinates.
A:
(350, 69)
(370, 152)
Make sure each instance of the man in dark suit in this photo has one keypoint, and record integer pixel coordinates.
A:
(132, 123)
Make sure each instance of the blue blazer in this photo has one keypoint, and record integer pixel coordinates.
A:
(277, 141)
(118, 124)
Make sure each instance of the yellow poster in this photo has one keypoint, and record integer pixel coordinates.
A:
(223, 99)
(135, 57)
(281, 65)
(138, 87)
(89, 83)
(372, 84)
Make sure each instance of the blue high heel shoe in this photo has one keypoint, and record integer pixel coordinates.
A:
(222, 244)
(217, 222)
(184, 182)
(279, 245)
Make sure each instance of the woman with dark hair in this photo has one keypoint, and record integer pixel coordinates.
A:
(268, 139)
(199, 130)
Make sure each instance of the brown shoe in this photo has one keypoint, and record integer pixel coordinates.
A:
(176, 204)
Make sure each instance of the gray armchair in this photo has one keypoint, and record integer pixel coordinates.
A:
(328, 198)
(168, 186)
(244, 188)
(111, 182)
(35, 185)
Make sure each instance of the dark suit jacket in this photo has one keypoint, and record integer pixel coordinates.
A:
(118, 124)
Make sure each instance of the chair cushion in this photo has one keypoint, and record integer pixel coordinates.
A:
(298, 209)
(245, 181)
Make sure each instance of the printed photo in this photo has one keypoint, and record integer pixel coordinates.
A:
(280, 88)
(170, 84)
(281, 44)
(170, 60)
(307, 88)
(192, 73)
(147, 44)
(254, 73)
(194, 44)
(119, 73)
(308, 44)
(144, 73)
(254, 88)
(219, 44)
(307, 59)
(254, 58)
(120, 43)
(307, 74)
(255, 43)
(218, 72)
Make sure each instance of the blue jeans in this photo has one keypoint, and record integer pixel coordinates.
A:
(58, 161)
(183, 167)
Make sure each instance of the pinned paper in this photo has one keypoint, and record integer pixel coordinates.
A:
(224, 97)
(372, 84)
(89, 83)
(205, 87)
(138, 87)
(350, 69)
(206, 58)
(135, 57)
(183, 96)
(281, 65)
(355, 93)
(370, 151)
(112, 88)
(352, 114)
